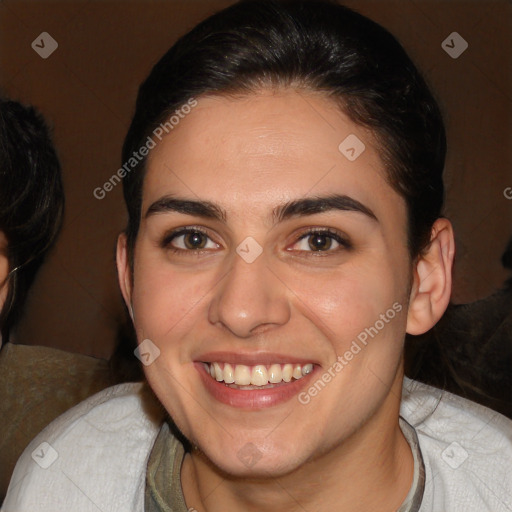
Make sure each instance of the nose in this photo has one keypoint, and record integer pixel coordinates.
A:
(250, 299)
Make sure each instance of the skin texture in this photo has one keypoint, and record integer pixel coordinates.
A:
(250, 155)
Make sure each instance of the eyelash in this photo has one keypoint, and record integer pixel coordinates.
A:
(334, 235)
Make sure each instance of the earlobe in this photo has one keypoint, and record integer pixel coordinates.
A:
(124, 272)
(4, 270)
(432, 284)
(4, 283)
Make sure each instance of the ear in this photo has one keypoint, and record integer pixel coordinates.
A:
(4, 270)
(432, 280)
(124, 274)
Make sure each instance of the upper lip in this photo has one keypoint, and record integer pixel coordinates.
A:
(251, 358)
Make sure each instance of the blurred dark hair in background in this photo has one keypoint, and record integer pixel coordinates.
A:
(31, 201)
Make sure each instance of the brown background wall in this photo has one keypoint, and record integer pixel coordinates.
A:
(87, 88)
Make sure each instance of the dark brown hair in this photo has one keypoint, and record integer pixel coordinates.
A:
(31, 200)
(310, 45)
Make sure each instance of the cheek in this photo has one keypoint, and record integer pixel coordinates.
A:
(347, 301)
(166, 303)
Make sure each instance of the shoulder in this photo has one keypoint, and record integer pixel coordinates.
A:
(467, 449)
(94, 452)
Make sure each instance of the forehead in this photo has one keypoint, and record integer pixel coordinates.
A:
(265, 148)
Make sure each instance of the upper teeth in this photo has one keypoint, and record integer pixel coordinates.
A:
(259, 375)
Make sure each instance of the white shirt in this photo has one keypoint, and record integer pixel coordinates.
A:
(93, 458)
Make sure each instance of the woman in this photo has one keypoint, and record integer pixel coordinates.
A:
(31, 205)
(283, 179)
(37, 383)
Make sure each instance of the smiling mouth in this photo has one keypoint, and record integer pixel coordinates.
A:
(259, 376)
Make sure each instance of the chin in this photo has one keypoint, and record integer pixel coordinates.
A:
(253, 460)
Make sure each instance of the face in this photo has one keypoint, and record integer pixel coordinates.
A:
(268, 258)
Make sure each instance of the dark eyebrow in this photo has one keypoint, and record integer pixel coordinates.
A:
(313, 205)
(299, 207)
(187, 207)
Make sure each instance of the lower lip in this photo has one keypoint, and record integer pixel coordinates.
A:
(254, 398)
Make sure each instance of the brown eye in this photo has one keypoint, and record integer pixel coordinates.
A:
(188, 239)
(195, 240)
(319, 242)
